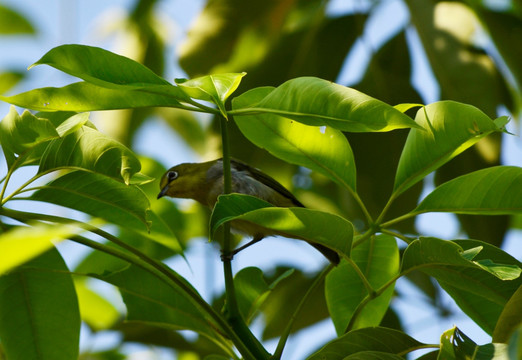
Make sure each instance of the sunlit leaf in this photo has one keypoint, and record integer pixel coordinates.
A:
(99, 66)
(21, 133)
(318, 102)
(378, 259)
(39, 310)
(214, 88)
(84, 96)
(322, 149)
(449, 129)
(90, 149)
(492, 191)
(22, 243)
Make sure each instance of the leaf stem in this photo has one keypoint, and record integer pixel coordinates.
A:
(368, 298)
(366, 283)
(232, 309)
(404, 238)
(286, 333)
(399, 219)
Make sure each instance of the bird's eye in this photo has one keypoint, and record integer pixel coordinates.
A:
(172, 175)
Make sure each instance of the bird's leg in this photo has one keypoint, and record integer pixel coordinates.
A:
(231, 254)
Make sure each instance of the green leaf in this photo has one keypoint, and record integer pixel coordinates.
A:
(12, 22)
(378, 259)
(9, 79)
(95, 310)
(480, 294)
(492, 191)
(324, 150)
(368, 339)
(405, 107)
(510, 319)
(39, 316)
(22, 243)
(98, 196)
(149, 299)
(315, 226)
(252, 290)
(214, 88)
(111, 82)
(84, 96)
(90, 149)
(455, 345)
(99, 66)
(20, 134)
(449, 129)
(318, 102)
(72, 124)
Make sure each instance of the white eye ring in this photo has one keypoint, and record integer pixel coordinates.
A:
(172, 175)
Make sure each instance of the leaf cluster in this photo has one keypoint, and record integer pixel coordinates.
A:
(306, 122)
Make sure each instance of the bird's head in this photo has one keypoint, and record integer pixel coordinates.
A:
(188, 181)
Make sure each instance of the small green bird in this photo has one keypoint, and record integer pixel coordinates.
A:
(203, 182)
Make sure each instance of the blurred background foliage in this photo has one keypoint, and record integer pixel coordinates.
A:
(468, 51)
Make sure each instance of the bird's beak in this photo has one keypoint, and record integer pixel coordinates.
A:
(163, 192)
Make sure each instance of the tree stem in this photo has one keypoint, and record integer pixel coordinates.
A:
(233, 315)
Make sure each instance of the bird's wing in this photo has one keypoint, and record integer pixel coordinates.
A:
(267, 180)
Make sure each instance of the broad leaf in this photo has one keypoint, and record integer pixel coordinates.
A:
(111, 82)
(20, 134)
(22, 243)
(480, 294)
(214, 88)
(492, 191)
(84, 96)
(89, 149)
(378, 260)
(98, 196)
(318, 102)
(99, 66)
(449, 129)
(322, 149)
(311, 225)
(368, 339)
(39, 316)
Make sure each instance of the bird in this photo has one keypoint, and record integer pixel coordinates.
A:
(204, 181)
